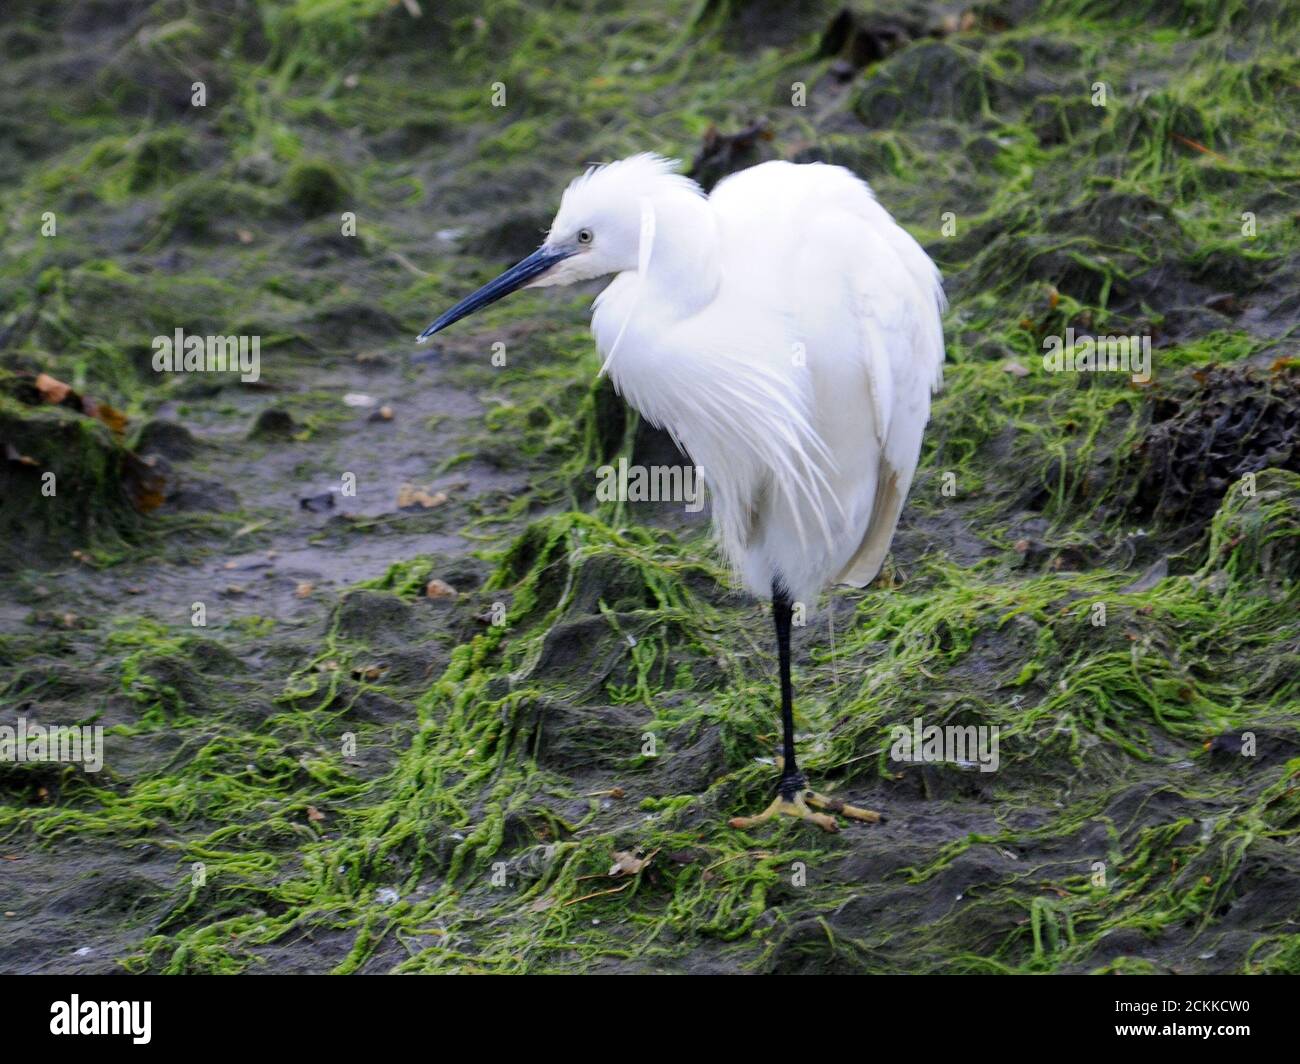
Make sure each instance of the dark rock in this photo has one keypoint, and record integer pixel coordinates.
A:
(722, 154)
(317, 504)
(170, 439)
(369, 615)
(201, 496)
(273, 424)
(1207, 432)
(609, 419)
(859, 40)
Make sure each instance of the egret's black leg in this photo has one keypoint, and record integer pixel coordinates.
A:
(793, 795)
(792, 781)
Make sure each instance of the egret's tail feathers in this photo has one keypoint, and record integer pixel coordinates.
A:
(870, 555)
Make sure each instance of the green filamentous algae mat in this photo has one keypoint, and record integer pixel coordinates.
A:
(315, 761)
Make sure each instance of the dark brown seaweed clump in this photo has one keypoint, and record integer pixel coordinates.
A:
(1225, 422)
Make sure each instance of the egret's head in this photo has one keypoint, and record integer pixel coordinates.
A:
(596, 232)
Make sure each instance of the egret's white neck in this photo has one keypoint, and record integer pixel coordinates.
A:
(683, 268)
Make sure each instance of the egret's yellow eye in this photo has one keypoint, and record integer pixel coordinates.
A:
(584, 236)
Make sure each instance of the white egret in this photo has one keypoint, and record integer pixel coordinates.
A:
(787, 333)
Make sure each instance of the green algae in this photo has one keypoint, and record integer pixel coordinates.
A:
(492, 820)
(313, 187)
(469, 752)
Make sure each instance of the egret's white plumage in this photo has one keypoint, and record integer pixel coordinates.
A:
(787, 333)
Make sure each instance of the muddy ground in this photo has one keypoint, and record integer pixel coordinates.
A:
(341, 770)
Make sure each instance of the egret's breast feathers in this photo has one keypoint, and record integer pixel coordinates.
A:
(721, 392)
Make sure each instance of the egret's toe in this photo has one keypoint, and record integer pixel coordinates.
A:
(794, 798)
(796, 807)
(838, 805)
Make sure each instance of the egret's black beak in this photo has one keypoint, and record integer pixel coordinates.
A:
(520, 274)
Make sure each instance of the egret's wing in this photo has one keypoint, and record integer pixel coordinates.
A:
(726, 398)
(899, 308)
(868, 301)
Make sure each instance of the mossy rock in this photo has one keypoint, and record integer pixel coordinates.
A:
(748, 25)
(1126, 220)
(345, 323)
(20, 42)
(313, 187)
(570, 739)
(96, 482)
(1256, 532)
(73, 304)
(1056, 120)
(612, 580)
(1154, 127)
(169, 682)
(141, 77)
(161, 158)
(512, 237)
(537, 559)
(375, 617)
(930, 80)
(202, 206)
(1189, 16)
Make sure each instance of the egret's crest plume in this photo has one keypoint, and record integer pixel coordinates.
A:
(607, 185)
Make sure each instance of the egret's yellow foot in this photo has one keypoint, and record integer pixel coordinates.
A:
(800, 803)
(796, 806)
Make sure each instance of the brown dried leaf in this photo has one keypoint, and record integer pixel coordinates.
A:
(627, 863)
(52, 389)
(409, 496)
(110, 416)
